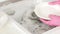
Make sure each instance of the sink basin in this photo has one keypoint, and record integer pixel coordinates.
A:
(10, 26)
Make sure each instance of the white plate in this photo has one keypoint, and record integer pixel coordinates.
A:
(44, 10)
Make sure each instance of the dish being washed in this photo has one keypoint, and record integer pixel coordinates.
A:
(43, 10)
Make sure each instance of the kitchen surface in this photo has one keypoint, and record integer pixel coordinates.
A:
(25, 16)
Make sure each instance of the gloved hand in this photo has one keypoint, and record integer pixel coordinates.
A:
(55, 2)
(55, 20)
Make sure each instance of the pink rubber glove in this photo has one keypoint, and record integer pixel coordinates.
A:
(55, 20)
(55, 2)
